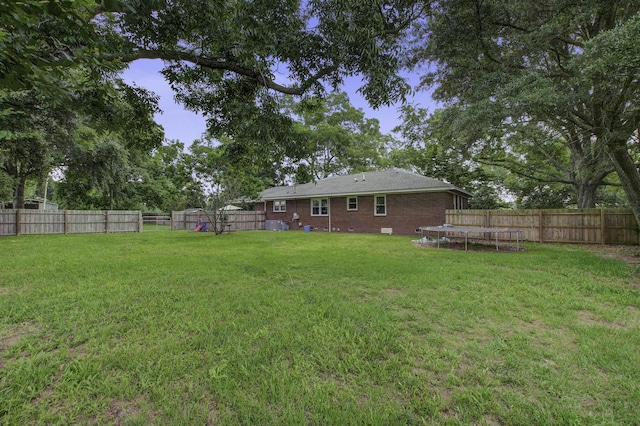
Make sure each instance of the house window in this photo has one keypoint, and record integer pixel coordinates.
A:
(320, 207)
(352, 203)
(280, 206)
(458, 202)
(381, 205)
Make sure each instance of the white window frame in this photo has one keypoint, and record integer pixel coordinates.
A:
(280, 206)
(375, 205)
(458, 202)
(317, 203)
(349, 209)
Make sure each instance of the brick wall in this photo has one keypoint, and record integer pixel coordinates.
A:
(405, 213)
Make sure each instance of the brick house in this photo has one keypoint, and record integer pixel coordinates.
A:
(388, 201)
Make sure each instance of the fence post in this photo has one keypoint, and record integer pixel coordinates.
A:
(602, 226)
(141, 222)
(106, 221)
(541, 226)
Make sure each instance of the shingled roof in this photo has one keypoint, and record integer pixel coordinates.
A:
(380, 182)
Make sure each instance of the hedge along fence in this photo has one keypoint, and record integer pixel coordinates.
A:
(237, 220)
(588, 226)
(31, 222)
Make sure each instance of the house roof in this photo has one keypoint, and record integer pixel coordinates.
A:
(385, 181)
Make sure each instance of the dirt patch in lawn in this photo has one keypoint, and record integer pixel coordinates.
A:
(11, 334)
(628, 254)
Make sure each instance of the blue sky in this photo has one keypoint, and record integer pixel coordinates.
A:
(187, 126)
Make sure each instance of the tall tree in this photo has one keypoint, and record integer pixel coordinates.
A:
(427, 146)
(98, 174)
(39, 129)
(230, 60)
(224, 181)
(33, 138)
(6, 185)
(533, 151)
(569, 66)
(169, 183)
(337, 138)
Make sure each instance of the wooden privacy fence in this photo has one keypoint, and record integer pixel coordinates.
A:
(31, 222)
(589, 226)
(237, 220)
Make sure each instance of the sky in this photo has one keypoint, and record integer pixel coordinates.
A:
(187, 126)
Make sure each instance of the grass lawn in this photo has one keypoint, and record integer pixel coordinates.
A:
(148, 227)
(279, 328)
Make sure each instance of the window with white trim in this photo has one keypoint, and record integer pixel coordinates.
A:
(352, 204)
(319, 207)
(381, 205)
(280, 206)
(458, 202)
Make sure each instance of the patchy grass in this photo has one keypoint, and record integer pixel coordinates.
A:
(312, 328)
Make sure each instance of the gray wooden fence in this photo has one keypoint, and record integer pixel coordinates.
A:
(588, 226)
(31, 222)
(151, 218)
(237, 220)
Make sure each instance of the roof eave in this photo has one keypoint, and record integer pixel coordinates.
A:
(345, 194)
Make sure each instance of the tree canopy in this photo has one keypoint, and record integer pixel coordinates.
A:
(218, 55)
(43, 130)
(336, 138)
(567, 68)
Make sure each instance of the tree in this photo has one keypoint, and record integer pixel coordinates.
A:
(223, 182)
(6, 185)
(41, 130)
(97, 175)
(169, 182)
(570, 68)
(532, 151)
(238, 48)
(428, 147)
(337, 138)
(33, 138)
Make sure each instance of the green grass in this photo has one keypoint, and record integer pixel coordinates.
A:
(277, 328)
(154, 227)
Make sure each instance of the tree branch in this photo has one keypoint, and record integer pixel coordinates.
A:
(223, 65)
(515, 167)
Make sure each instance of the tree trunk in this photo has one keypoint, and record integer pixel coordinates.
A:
(18, 201)
(628, 173)
(589, 167)
(585, 195)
